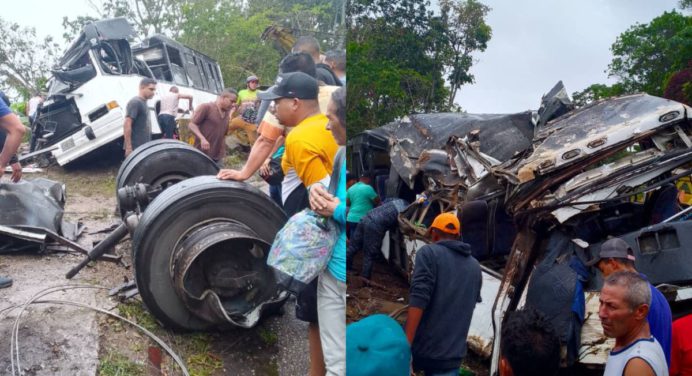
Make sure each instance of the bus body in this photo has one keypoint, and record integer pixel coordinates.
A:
(97, 76)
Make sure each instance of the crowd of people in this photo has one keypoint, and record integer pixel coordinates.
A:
(445, 286)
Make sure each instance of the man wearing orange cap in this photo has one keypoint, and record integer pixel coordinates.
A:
(445, 287)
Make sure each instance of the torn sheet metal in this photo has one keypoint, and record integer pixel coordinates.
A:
(30, 211)
(591, 130)
(502, 136)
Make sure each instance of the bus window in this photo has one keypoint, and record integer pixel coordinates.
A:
(193, 72)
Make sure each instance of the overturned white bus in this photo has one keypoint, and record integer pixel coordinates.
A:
(99, 73)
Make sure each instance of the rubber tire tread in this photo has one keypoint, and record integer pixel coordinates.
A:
(171, 215)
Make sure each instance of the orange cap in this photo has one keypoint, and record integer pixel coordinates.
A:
(447, 222)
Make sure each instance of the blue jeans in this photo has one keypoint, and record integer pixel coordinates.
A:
(275, 194)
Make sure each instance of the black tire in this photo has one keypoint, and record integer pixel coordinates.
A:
(171, 215)
(163, 162)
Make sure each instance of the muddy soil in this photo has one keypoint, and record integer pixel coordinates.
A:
(388, 293)
(64, 340)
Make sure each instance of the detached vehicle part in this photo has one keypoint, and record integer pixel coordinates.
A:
(161, 164)
(199, 244)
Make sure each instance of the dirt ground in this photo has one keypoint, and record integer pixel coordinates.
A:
(63, 340)
(387, 293)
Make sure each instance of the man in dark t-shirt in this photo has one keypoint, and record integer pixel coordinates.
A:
(137, 128)
(210, 125)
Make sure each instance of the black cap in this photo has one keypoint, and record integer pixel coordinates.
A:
(292, 85)
(613, 248)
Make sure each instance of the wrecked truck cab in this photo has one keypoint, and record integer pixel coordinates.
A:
(577, 177)
(605, 170)
(97, 76)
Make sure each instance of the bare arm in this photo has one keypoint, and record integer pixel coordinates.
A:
(15, 131)
(204, 144)
(127, 135)
(259, 152)
(638, 367)
(412, 322)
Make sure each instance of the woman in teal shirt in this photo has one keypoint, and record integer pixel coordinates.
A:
(331, 287)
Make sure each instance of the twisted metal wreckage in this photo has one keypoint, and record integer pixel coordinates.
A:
(537, 194)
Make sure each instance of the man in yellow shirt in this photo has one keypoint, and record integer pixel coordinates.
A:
(310, 147)
(308, 159)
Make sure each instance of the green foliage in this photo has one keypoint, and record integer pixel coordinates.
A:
(118, 365)
(596, 92)
(401, 57)
(645, 55)
(134, 311)
(465, 31)
(232, 39)
(25, 60)
(147, 16)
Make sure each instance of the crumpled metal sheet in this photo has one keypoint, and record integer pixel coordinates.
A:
(595, 128)
(502, 136)
(35, 207)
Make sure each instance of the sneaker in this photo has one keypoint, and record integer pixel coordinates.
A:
(5, 282)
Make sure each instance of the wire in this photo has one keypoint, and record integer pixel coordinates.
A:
(34, 300)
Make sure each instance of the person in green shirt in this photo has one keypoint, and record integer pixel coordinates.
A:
(249, 94)
(247, 110)
(360, 198)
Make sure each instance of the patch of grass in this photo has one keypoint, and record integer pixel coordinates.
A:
(234, 160)
(199, 357)
(120, 365)
(90, 183)
(269, 337)
(136, 312)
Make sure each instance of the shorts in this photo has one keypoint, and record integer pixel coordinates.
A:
(306, 303)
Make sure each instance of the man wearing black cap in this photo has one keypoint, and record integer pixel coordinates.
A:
(310, 148)
(270, 131)
(308, 158)
(615, 256)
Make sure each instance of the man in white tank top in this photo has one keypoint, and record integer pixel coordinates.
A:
(624, 305)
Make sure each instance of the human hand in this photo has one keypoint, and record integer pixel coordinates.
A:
(229, 174)
(204, 144)
(128, 151)
(16, 172)
(329, 208)
(264, 170)
(321, 201)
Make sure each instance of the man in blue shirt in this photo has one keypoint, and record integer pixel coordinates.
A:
(9, 124)
(616, 255)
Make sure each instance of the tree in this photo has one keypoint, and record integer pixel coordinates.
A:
(227, 35)
(679, 86)
(596, 92)
(392, 63)
(466, 32)
(646, 55)
(25, 61)
(147, 16)
(400, 57)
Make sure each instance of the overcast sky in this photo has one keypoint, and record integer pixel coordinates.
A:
(46, 16)
(536, 43)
